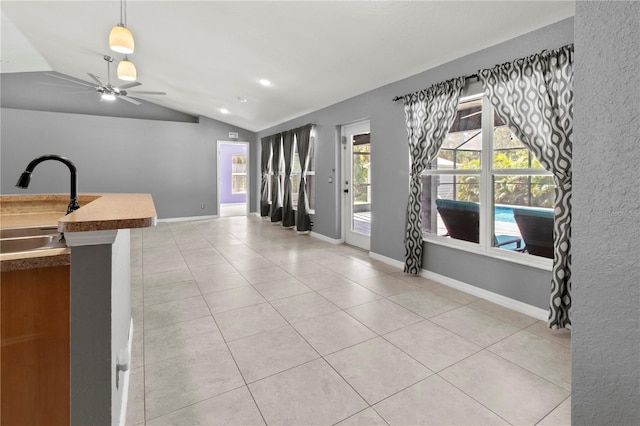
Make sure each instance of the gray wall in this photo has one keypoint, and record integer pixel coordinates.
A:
(173, 161)
(390, 162)
(606, 158)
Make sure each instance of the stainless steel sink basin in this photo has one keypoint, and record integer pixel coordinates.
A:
(17, 240)
(33, 231)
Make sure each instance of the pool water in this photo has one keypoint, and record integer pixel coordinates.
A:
(504, 214)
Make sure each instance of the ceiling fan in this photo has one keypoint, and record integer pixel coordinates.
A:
(106, 90)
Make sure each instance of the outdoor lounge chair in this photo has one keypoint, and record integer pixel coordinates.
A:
(536, 228)
(462, 220)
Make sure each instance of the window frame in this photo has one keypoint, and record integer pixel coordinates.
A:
(486, 174)
(237, 174)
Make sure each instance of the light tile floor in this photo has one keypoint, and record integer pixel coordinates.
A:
(240, 322)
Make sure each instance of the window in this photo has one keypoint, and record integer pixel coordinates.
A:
(238, 174)
(482, 173)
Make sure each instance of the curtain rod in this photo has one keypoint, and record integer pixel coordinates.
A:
(468, 77)
(295, 128)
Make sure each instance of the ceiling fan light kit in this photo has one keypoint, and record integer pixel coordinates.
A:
(108, 96)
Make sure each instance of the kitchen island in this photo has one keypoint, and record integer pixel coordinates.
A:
(66, 315)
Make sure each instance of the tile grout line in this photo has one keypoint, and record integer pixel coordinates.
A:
(244, 243)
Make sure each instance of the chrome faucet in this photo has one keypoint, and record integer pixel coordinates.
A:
(25, 178)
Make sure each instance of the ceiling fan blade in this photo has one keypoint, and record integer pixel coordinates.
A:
(129, 85)
(144, 92)
(76, 93)
(128, 99)
(68, 79)
(63, 85)
(96, 79)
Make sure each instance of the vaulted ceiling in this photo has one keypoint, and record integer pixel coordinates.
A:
(207, 54)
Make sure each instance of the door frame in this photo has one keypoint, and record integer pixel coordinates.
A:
(351, 238)
(248, 178)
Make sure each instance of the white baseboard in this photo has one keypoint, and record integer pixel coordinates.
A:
(325, 238)
(387, 260)
(184, 219)
(498, 299)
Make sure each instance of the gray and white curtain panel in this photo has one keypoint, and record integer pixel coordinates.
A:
(276, 201)
(303, 138)
(534, 96)
(265, 166)
(288, 216)
(281, 208)
(429, 114)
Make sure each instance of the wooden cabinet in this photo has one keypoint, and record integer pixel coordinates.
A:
(35, 346)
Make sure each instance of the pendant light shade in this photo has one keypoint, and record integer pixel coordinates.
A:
(121, 39)
(127, 70)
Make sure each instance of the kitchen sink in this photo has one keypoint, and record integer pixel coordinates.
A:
(16, 240)
(32, 231)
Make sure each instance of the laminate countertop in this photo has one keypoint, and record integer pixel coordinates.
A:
(97, 212)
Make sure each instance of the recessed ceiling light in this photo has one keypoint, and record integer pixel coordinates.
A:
(241, 99)
(265, 82)
(224, 110)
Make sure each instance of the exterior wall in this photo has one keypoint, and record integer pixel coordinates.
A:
(390, 170)
(227, 151)
(175, 162)
(606, 206)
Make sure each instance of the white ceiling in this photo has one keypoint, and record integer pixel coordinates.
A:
(206, 54)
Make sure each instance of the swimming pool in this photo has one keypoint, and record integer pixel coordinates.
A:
(504, 214)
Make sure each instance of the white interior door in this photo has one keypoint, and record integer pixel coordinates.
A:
(356, 184)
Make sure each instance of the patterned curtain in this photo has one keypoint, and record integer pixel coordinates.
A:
(429, 114)
(276, 200)
(534, 96)
(264, 166)
(303, 220)
(288, 216)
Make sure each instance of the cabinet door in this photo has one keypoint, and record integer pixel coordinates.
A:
(35, 346)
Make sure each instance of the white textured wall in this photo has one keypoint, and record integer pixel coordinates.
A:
(606, 219)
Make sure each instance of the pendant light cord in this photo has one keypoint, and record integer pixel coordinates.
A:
(123, 13)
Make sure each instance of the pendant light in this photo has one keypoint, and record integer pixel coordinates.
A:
(127, 70)
(121, 38)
